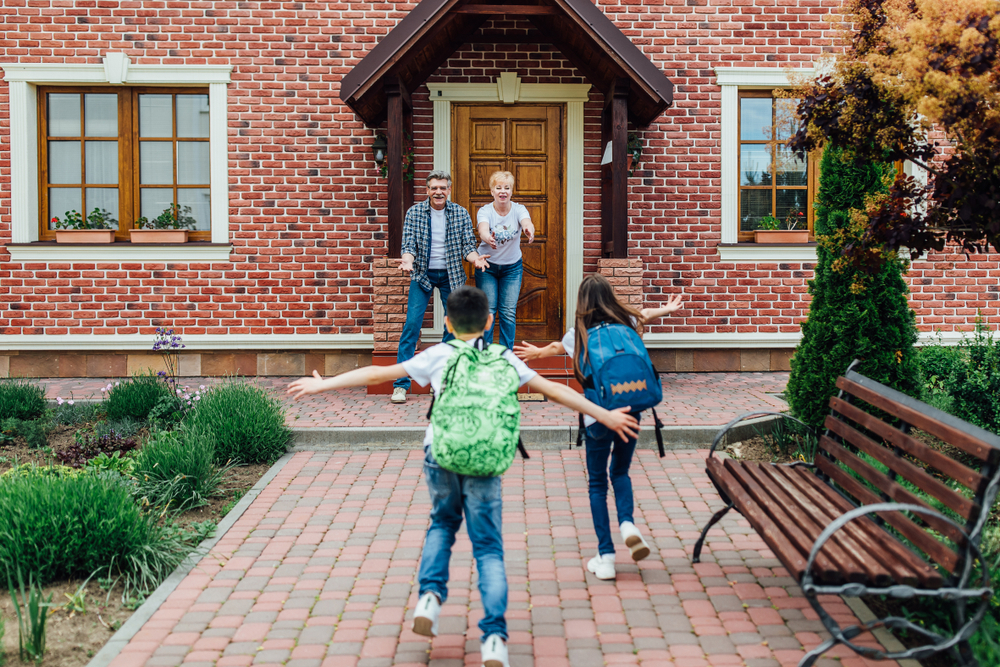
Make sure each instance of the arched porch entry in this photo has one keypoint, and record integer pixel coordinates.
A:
(634, 89)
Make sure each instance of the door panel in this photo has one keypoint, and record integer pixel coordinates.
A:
(527, 141)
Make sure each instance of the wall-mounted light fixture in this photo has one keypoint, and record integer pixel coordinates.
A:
(379, 147)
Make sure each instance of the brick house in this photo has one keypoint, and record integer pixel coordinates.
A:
(261, 118)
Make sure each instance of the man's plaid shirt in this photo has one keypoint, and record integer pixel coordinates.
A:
(459, 241)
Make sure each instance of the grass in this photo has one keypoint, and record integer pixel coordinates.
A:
(176, 469)
(135, 398)
(20, 399)
(247, 424)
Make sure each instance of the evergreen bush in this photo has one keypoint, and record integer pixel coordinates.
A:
(247, 424)
(853, 315)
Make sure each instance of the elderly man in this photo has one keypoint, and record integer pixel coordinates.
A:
(437, 234)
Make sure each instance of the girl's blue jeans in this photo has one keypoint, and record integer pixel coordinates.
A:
(502, 284)
(603, 443)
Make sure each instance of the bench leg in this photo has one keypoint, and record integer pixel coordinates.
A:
(696, 558)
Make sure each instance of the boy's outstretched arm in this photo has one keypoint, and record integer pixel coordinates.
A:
(649, 314)
(358, 377)
(526, 351)
(619, 421)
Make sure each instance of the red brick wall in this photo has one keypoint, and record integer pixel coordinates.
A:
(307, 205)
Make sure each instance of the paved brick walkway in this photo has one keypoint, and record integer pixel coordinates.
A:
(689, 399)
(320, 572)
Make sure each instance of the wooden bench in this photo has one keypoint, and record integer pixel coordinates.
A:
(846, 525)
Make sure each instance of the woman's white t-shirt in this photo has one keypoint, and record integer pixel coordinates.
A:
(427, 368)
(506, 231)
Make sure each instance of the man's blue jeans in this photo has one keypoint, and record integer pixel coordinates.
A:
(502, 284)
(602, 442)
(481, 500)
(416, 306)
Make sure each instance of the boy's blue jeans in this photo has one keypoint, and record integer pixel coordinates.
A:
(481, 500)
(602, 443)
(416, 306)
(502, 284)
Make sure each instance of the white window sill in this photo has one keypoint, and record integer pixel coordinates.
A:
(767, 252)
(115, 252)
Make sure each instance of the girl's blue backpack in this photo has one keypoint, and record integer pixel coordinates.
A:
(619, 373)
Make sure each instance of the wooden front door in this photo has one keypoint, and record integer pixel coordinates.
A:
(525, 140)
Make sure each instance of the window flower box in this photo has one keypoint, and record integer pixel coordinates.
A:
(85, 236)
(781, 236)
(158, 235)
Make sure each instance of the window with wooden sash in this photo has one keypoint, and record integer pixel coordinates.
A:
(133, 152)
(773, 181)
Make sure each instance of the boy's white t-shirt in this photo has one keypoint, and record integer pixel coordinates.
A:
(428, 368)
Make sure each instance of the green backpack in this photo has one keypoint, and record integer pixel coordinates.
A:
(476, 416)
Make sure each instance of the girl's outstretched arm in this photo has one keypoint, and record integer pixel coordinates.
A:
(526, 351)
(649, 314)
(619, 421)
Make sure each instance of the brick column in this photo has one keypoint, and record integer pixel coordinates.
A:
(389, 293)
(626, 277)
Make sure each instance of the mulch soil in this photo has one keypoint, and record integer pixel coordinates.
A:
(73, 638)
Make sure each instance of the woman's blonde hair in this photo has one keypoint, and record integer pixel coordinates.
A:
(498, 176)
(596, 302)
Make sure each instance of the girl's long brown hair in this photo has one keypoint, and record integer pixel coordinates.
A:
(597, 302)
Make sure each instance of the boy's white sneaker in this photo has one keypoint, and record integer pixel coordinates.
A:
(634, 541)
(603, 566)
(398, 395)
(425, 617)
(494, 652)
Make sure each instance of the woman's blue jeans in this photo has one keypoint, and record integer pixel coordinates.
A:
(502, 284)
(603, 443)
(480, 499)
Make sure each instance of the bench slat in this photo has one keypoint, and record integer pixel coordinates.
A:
(962, 474)
(828, 571)
(918, 476)
(930, 424)
(938, 551)
(775, 539)
(861, 565)
(907, 567)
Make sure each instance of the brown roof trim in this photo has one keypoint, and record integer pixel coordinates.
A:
(426, 37)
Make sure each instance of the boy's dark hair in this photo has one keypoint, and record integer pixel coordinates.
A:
(468, 309)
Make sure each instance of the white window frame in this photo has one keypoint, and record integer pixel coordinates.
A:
(116, 69)
(732, 80)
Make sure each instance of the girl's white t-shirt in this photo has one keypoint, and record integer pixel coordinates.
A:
(506, 231)
(427, 368)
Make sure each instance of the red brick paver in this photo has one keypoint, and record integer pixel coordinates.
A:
(689, 399)
(320, 572)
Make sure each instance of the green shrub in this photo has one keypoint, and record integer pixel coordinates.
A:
(125, 427)
(975, 385)
(74, 412)
(135, 398)
(176, 469)
(21, 399)
(853, 315)
(36, 432)
(67, 527)
(247, 424)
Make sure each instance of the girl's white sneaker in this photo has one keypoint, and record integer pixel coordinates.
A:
(634, 541)
(425, 617)
(603, 566)
(494, 652)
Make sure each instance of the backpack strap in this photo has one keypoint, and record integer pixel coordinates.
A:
(458, 345)
(659, 435)
(520, 448)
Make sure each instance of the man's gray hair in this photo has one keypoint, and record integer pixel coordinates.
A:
(440, 175)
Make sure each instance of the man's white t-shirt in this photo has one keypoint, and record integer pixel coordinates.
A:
(506, 230)
(439, 230)
(428, 368)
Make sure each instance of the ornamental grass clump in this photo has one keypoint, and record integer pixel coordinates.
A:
(247, 424)
(176, 469)
(73, 526)
(20, 399)
(135, 398)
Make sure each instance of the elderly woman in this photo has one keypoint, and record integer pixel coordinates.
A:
(500, 225)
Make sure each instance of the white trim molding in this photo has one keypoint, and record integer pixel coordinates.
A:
(574, 96)
(115, 69)
(710, 341)
(121, 252)
(731, 80)
(192, 342)
(752, 252)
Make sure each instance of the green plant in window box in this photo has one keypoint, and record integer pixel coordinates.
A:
(97, 227)
(769, 223)
(170, 226)
(771, 230)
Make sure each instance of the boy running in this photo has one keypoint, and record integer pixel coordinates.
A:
(453, 495)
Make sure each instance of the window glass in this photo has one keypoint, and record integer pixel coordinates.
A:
(155, 117)
(64, 162)
(105, 198)
(755, 119)
(156, 162)
(64, 114)
(754, 205)
(63, 200)
(755, 164)
(154, 200)
(101, 115)
(102, 162)
(192, 116)
(198, 200)
(192, 162)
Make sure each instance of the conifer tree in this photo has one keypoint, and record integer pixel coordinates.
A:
(854, 314)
